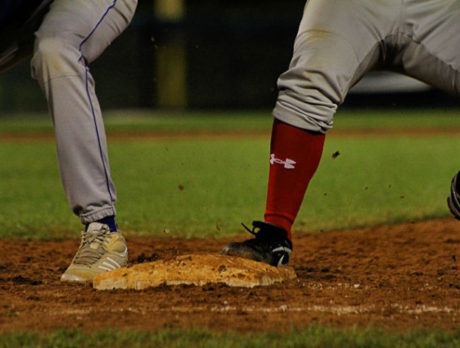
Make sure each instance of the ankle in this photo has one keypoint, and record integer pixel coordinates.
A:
(280, 221)
(109, 221)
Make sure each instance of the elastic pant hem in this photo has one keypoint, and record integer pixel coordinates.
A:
(97, 215)
(298, 120)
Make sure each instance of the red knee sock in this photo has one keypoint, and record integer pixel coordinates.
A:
(294, 157)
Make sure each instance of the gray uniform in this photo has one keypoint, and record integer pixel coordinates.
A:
(340, 40)
(72, 35)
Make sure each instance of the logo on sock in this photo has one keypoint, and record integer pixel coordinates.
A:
(288, 163)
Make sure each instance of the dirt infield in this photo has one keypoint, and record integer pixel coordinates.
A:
(395, 277)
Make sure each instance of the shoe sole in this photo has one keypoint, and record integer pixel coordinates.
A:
(74, 278)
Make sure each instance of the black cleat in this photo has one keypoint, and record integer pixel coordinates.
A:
(453, 201)
(270, 245)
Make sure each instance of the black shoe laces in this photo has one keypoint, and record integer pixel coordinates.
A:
(266, 231)
(253, 231)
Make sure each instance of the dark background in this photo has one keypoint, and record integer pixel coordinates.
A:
(234, 50)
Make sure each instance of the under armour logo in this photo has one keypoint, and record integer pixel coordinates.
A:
(288, 163)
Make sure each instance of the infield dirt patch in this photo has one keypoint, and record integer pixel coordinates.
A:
(396, 277)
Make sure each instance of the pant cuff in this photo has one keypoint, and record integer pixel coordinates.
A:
(97, 215)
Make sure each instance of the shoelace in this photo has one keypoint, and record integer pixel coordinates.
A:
(253, 231)
(87, 255)
(262, 233)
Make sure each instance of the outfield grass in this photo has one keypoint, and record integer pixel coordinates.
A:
(398, 119)
(151, 121)
(313, 336)
(156, 121)
(192, 187)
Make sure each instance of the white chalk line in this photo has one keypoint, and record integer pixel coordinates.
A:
(331, 309)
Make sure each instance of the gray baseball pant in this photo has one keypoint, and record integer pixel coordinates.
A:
(73, 34)
(340, 40)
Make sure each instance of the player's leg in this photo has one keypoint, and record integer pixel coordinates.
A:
(430, 43)
(431, 54)
(65, 44)
(73, 34)
(327, 60)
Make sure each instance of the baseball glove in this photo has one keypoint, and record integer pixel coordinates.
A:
(453, 201)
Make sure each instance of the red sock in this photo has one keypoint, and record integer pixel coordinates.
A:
(294, 157)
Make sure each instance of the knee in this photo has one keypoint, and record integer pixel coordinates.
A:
(321, 72)
(50, 59)
(308, 99)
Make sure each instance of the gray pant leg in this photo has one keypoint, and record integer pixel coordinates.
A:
(337, 42)
(73, 34)
(432, 47)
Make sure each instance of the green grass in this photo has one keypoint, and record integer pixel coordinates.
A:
(313, 336)
(380, 180)
(155, 121)
(398, 119)
(151, 121)
(373, 181)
